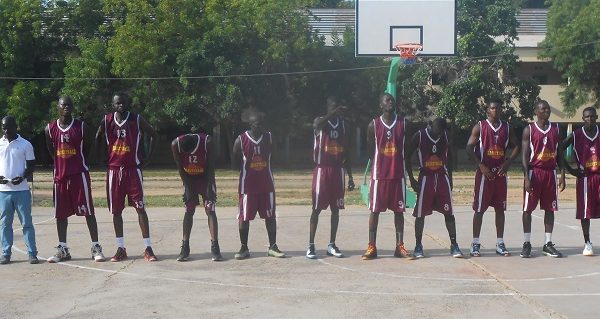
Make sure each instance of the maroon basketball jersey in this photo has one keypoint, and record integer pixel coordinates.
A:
(68, 148)
(544, 145)
(328, 146)
(194, 163)
(123, 140)
(493, 142)
(388, 160)
(587, 149)
(256, 176)
(433, 153)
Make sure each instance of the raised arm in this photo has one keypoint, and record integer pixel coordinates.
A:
(149, 130)
(320, 121)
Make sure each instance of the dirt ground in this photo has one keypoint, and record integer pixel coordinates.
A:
(438, 286)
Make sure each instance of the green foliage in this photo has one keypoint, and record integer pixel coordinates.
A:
(572, 44)
(26, 104)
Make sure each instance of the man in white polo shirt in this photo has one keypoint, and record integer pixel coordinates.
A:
(17, 162)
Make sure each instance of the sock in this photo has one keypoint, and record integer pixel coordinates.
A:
(475, 240)
(121, 242)
(527, 237)
(60, 243)
(499, 241)
(94, 243)
(147, 242)
(548, 237)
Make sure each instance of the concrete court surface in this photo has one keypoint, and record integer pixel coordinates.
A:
(438, 286)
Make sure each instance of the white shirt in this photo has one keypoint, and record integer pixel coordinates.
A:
(13, 161)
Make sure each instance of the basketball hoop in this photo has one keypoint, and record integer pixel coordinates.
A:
(408, 51)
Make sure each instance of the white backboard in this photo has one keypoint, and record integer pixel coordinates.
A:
(381, 24)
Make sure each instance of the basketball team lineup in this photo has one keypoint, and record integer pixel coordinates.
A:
(393, 142)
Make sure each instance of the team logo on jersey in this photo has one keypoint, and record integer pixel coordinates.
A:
(495, 152)
(120, 147)
(433, 163)
(258, 163)
(65, 151)
(390, 149)
(333, 148)
(193, 169)
(593, 164)
(546, 155)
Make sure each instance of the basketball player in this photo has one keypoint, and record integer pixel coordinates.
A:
(123, 131)
(586, 145)
(385, 134)
(487, 147)
(540, 153)
(68, 140)
(256, 188)
(434, 187)
(193, 155)
(332, 159)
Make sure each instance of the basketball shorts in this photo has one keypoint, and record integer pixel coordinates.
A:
(489, 192)
(434, 194)
(328, 187)
(387, 194)
(588, 197)
(250, 204)
(121, 182)
(73, 196)
(191, 195)
(544, 191)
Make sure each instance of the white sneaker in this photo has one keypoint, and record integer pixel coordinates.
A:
(332, 250)
(587, 249)
(97, 253)
(310, 252)
(62, 254)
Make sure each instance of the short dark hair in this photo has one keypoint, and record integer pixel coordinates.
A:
(124, 95)
(589, 108)
(440, 121)
(493, 100)
(540, 103)
(386, 94)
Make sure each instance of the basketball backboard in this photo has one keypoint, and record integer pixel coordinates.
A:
(381, 24)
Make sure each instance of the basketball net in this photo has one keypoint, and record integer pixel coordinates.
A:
(408, 51)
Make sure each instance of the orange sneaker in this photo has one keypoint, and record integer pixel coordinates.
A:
(149, 254)
(120, 255)
(401, 252)
(371, 252)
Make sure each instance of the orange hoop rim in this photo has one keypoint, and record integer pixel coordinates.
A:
(408, 50)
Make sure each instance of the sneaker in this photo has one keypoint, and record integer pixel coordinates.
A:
(310, 252)
(120, 255)
(333, 250)
(475, 250)
(418, 252)
(4, 260)
(149, 254)
(501, 250)
(185, 252)
(401, 252)
(33, 259)
(587, 249)
(275, 252)
(97, 254)
(62, 254)
(371, 252)
(526, 252)
(243, 253)
(455, 251)
(549, 250)
(215, 251)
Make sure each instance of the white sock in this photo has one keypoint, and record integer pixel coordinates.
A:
(121, 242)
(94, 243)
(527, 237)
(548, 237)
(499, 241)
(60, 243)
(147, 242)
(475, 240)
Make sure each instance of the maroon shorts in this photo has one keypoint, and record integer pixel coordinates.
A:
(544, 191)
(387, 194)
(263, 203)
(489, 192)
(434, 194)
(328, 187)
(191, 196)
(588, 197)
(121, 182)
(73, 196)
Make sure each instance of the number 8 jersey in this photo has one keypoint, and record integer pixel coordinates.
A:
(194, 163)
(123, 140)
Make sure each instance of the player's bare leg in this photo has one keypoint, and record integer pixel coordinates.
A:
(332, 249)
(213, 228)
(96, 249)
(62, 253)
(419, 226)
(271, 225)
(476, 245)
(61, 229)
(314, 221)
(585, 228)
(188, 222)
(500, 220)
(450, 221)
(526, 251)
(244, 229)
(145, 228)
(121, 253)
(399, 225)
(549, 249)
(371, 252)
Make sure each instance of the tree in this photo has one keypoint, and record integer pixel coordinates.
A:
(572, 44)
